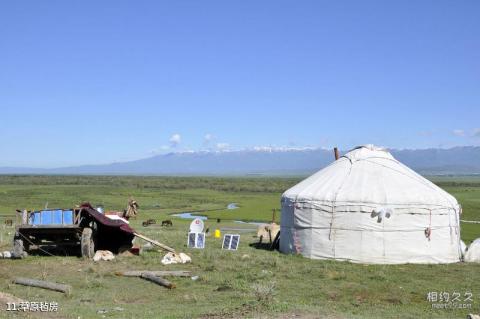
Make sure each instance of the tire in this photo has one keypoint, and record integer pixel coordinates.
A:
(18, 248)
(26, 246)
(87, 243)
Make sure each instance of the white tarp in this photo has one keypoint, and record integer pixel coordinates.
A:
(463, 248)
(367, 207)
(473, 252)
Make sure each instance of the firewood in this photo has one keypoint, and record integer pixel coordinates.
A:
(158, 280)
(43, 284)
(161, 273)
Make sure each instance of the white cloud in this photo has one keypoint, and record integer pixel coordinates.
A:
(458, 132)
(476, 132)
(223, 146)
(175, 139)
(263, 148)
(159, 150)
(208, 137)
(284, 148)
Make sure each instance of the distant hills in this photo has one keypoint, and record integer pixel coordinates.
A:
(455, 161)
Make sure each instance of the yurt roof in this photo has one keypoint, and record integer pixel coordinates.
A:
(369, 175)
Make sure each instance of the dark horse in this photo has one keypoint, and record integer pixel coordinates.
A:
(167, 223)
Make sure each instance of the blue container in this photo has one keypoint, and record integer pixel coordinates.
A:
(47, 217)
(68, 217)
(57, 216)
(34, 218)
(52, 217)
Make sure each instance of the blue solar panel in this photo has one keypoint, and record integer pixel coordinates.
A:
(231, 241)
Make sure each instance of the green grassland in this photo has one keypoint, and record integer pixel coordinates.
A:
(247, 283)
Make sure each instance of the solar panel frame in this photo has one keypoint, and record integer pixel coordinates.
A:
(235, 242)
(231, 241)
(196, 240)
(200, 241)
(191, 240)
(227, 238)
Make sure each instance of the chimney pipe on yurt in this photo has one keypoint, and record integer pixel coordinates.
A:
(335, 151)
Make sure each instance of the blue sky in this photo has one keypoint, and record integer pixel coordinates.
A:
(121, 80)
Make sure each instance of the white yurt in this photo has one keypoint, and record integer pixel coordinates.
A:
(367, 207)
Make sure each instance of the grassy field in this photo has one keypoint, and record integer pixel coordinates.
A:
(248, 283)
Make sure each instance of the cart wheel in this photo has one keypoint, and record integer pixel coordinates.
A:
(18, 249)
(26, 246)
(88, 246)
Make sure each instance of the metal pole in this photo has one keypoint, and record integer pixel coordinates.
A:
(335, 151)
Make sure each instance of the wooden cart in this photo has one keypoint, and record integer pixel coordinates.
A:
(82, 229)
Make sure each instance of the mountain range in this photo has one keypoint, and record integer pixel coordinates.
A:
(267, 161)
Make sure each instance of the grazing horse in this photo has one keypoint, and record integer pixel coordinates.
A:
(149, 222)
(167, 223)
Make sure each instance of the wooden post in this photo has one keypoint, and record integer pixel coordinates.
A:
(24, 217)
(156, 243)
(335, 151)
(158, 273)
(43, 284)
(158, 280)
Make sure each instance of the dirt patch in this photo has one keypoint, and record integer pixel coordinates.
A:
(7, 298)
(249, 312)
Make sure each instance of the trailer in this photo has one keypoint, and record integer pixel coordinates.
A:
(82, 229)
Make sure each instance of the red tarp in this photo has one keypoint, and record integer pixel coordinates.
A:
(111, 234)
(104, 220)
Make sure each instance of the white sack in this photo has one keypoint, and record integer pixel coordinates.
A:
(173, 258)
(103, 255)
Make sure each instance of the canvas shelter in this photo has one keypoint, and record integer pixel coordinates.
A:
(367, 207)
